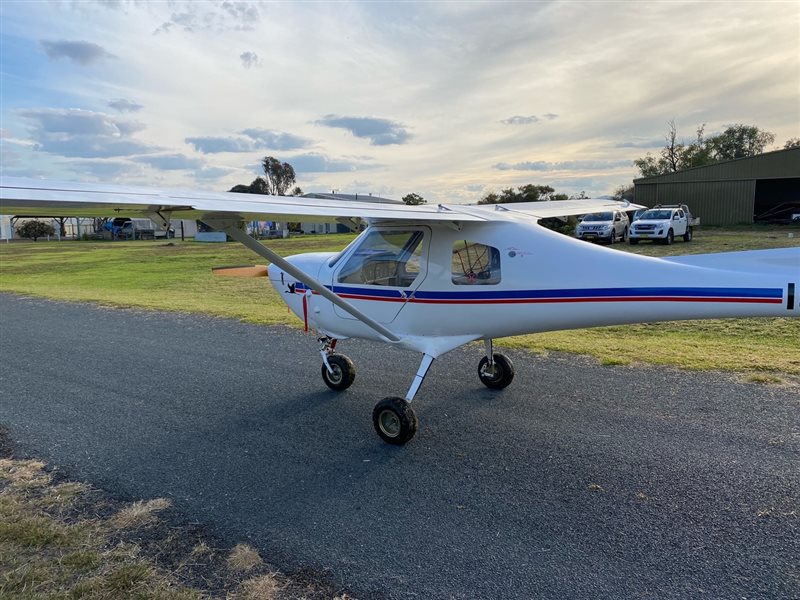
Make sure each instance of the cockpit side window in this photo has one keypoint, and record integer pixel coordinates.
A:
(390, 258)
(475, 264)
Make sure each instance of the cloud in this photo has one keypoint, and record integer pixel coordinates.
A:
(73, 121)
(83, 133)
(8, 138)
(319, 163)
(171, 162)
(250, 60)
(82, 52)
(122, 105)
(212, 172)
(520, 120)
(379, 132)
(230, 16)
(569, 165)
(276, 140)
(250, 140)
(213, 145)
(243, 13)
(641, 143)
(104, 169)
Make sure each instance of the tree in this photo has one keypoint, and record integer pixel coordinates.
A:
(524, 193)
(739, 141)
(297, 191)
(62, 225)
(259, 185)
(35, 230)
(414, 199)
(624, 192)
(279, 176)
(792, 143)
(675, 155)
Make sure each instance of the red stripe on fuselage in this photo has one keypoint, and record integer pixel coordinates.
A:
(566, 300)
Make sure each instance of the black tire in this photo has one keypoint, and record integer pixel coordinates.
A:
(613, 237)
(670, 238)
(687, 237)
(394, 420)
(344, 372)
(503, 372)
(633, 241)
(624, 235)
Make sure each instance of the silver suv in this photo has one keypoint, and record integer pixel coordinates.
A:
(609, 227)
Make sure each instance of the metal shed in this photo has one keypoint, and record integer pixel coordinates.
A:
(765, 187)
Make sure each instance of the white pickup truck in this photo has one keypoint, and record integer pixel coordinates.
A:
(663, 223)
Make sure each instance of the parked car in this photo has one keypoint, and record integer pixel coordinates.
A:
(663, 223)
(608, 227)
(126, 228)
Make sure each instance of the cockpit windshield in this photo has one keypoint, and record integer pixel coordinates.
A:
(385, 257)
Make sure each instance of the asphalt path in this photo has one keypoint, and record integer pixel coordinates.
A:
(578, 481)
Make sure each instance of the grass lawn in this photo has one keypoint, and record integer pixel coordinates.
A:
(178, 277)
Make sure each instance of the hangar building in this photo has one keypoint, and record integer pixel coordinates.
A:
(762, 188)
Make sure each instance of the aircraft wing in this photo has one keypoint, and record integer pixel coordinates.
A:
(565, 208)
(32, 198)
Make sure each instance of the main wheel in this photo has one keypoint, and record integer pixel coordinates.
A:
(394, 420)
(687, 237)
(624, 235)
(670, 238)
(613, 237)
(499, 375)
(344, 372)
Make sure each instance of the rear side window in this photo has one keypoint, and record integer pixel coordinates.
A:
(475, 264)
(389, 258)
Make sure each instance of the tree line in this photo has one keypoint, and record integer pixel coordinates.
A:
(736, 141)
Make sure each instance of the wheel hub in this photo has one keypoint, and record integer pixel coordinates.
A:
(335, 374)
(490, 371)
(389, 423)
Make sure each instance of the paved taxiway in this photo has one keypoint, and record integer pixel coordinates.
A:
(578, 481)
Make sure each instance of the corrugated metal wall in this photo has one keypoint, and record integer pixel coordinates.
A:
(715, 202)
(720, 194)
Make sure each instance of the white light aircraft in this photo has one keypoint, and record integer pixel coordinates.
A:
(432, 278)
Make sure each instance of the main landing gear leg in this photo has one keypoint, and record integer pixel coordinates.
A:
(338, 371)
(496, 371)
(393, 418)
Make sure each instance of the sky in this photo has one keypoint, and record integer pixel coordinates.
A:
(449, 100)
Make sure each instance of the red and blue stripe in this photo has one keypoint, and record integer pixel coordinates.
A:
(567, 295)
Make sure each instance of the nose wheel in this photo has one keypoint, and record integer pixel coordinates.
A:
(342, 372)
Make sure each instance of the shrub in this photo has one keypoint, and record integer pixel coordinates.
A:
(35, 230)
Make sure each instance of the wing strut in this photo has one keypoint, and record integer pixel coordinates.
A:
(231, 228)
